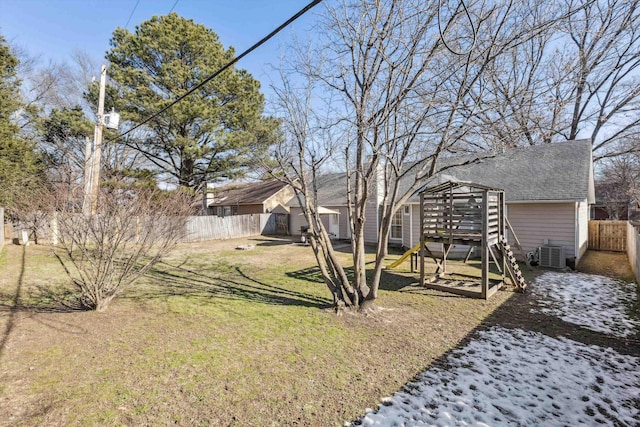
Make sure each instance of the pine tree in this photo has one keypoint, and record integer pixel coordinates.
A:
(211, 134)
(19, 165)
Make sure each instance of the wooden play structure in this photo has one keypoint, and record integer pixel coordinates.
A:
(464, 213)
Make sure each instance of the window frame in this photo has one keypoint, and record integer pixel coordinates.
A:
(395, 232)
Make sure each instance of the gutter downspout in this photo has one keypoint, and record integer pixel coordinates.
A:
(576, 232)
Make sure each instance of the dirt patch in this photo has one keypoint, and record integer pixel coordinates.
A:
(607, 263)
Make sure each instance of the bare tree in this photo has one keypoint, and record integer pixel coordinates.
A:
(30, 211)
(401, 100)
(106, 253)
(618, 181)
(304, 149)
(579, 79)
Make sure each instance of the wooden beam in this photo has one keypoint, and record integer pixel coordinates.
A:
(466, 258)
(445, 253)
(516, 241)
(495, 261)
(423, 243)
(434, 259)
(463, 292)
(485, 247)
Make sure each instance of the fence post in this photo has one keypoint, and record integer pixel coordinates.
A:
(54, 229)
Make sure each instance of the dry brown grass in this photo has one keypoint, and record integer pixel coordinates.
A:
(605, 263)
(215, 337)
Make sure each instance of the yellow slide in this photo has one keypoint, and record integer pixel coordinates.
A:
(404, 257)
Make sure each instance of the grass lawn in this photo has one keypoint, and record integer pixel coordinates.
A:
(215, 336)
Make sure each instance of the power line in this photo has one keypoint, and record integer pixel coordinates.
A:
(173, 7)
(130, 16)
(441, 31)
(223, 69)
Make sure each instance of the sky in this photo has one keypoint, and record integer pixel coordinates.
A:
(54, 29)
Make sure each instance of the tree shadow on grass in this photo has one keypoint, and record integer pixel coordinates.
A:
(311, 274)
(276, 241)
(44, 301)
(520, 311)
(14, 307)
(389, 281)
(167, 280)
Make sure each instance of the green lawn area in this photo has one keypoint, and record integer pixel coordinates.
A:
(215, 336)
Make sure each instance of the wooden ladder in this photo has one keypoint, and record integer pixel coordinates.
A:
(517, 243)
(512, 265)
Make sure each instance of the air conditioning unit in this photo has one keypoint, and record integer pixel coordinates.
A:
(552, 256)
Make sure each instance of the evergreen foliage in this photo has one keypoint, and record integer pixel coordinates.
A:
(213, 133)
(19, 165)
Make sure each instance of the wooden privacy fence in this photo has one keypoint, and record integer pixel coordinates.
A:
(608, 236)
(198, 228)
(209, 227)
(633, 249)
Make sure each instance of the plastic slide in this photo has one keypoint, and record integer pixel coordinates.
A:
(404, 257)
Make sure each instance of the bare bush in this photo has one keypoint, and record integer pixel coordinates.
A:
(104, 254)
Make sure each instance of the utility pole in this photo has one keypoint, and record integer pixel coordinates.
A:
(93, 183)
(88, 162)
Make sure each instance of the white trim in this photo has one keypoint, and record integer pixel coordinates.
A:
(395, 239)
(410, 226)
(576, 230)
(507, 232)
(522, 202)
(531, 202)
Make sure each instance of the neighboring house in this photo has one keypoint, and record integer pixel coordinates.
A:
(332, 197)
(248, 198)
(548, 189)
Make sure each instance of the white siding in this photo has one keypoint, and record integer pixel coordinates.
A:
(415, 227)
(345, 229)
(325, 221)
(456, 251)
(371, 209)
(534, 223)
(296, 220)
(406, 226)
(583, 228)
(371, 223)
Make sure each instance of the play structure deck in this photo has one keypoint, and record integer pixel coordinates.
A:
(464, 213)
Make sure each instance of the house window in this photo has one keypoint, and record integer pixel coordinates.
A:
(407, 210)
(396, 226)
(227, 210)
(230, 210)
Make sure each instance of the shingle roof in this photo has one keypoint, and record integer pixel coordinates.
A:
(249, 193)
(332, 190)
(558, 171)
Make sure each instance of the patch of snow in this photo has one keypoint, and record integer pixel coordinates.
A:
(594, 302)
(514, 377)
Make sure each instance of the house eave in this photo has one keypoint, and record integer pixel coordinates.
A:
(521, 202)
(531, 202)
